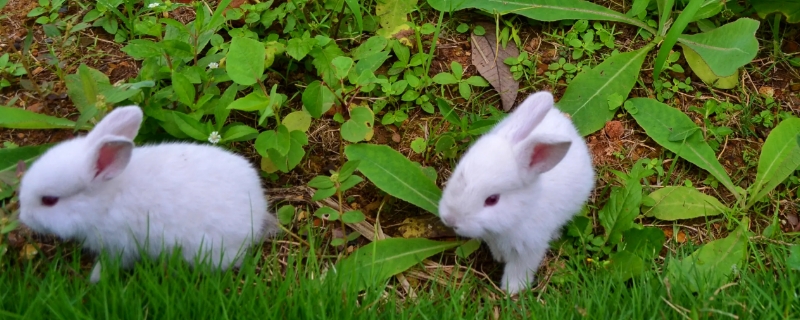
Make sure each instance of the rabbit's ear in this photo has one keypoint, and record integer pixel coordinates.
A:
(526, 117)
(122, 122)
(540, 153)
(111, 156)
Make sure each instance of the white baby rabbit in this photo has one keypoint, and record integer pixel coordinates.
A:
(518, 185)
(103, 191)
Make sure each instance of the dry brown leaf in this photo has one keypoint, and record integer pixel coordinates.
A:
(492, 67)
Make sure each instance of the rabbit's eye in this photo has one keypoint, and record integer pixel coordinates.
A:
(491, 200)
(49, 201)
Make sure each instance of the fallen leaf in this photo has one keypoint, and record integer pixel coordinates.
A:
(28, 252)
(492, 67)
(681, 238)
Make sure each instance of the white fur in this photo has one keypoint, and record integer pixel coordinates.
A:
(198, 197)
(536, 197)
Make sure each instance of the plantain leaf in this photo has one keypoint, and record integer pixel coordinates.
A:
(780, 157)
(376, 262)
(659, 121)
(586, 98)
(393, 173)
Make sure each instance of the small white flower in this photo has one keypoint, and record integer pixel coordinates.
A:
(153, 5)
(213, 65)
(214, 137)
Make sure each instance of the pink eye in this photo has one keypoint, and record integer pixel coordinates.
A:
(49, 201)
(491, 200)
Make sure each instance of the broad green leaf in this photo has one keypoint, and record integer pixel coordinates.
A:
(373, 45)
(359, 127)
(16, 118)
(618, 213)
(140, 49)
(183, 88)
(645, 243)
(254, 101)
(445, 78)
(341, 66)
(354, 216)
(378, 261)
(322, 194)
(283, 140)
(9, 157)
(371, 63)
(297, 120)
(659, 120)
(675, 30)
(793, 261)
(678, 202)
(286, 214)
(190, 126)
(726, 48)
(789, 8)
(299, 47)
(465, 250)
(82, 87)
(448, 113)
(350, 182)
(708, 9)
(780, 157)
(347, 169)
(542, 10)
(393, 15)
(240, 132)
(703, 71)
(245, 60)
(625, 265)
(321, 182)
(637, 7)
(317, 99)
(393, 173)
(586, 98)
(711, 265)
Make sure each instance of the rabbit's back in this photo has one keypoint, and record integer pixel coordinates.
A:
(188, 195)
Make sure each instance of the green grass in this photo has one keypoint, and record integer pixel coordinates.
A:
(56, 288)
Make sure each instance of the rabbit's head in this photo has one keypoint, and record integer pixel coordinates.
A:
(57, 193)
(492, 186)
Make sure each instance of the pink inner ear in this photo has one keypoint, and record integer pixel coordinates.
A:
(107, 155)
(540, 153)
